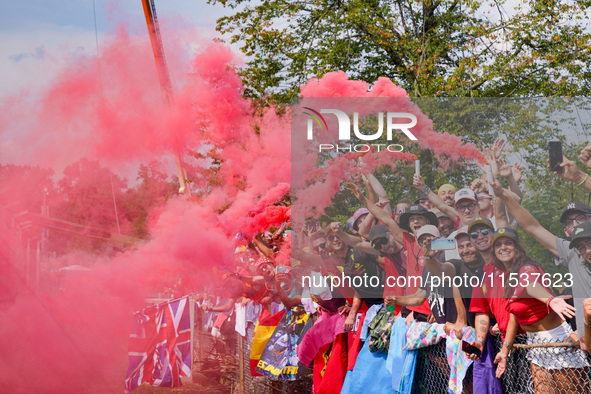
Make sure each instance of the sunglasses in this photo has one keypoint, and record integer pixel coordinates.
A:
(484, 233)
(469, 207)
(378, 243)
(332, 238)
(582, 247)
(582, 218)
(319, 248)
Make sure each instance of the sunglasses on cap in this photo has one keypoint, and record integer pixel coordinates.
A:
(378, 243)
(484, 232)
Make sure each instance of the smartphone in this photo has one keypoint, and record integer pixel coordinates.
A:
(466, 347)
(555, 155)
(443, 244)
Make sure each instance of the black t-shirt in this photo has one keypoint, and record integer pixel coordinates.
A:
(465, 272)
(363, 266)
(440, 299)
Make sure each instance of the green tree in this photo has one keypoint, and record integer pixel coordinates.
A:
(430, 48)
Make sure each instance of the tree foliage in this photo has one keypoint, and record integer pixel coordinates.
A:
(431, 48)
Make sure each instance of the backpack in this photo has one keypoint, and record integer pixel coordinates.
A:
(380, 330)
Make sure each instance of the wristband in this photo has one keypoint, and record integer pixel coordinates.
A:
(427, 190)
(507, 344)
(584, 179)
(548, 302)
(480, 340)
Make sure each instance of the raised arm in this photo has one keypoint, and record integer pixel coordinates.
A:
(573, 174)
(379, 190)
(526, 220)
(507, 173)
(354, 242)
(310, 258)
(379, 213)
(419, 183)
(558, 304)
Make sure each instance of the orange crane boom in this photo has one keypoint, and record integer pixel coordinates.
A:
(164, 77)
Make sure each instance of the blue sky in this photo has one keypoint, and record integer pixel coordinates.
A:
(31, 31)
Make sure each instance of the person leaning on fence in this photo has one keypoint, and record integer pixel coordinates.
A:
(574, 214)
(541, 315)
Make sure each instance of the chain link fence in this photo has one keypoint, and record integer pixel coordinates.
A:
(219, 368)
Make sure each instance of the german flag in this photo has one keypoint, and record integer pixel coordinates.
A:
(262, 332)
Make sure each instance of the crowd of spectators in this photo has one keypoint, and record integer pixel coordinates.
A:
(381, 276)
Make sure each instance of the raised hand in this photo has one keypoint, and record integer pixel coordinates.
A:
(504, 168)
(418, 182)
(356, 191)
(517, 172)
(571, 171)
(585, 155)
(497, 147)
(562, 309)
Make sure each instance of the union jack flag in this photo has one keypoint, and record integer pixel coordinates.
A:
(160, 346)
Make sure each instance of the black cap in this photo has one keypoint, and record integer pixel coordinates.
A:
(378, 231)
(483, 221)
(417, 209)
(420, 196)
(505, 232)
(583, 230)
(572, 207)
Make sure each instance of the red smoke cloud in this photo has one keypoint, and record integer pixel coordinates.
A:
(75, 339)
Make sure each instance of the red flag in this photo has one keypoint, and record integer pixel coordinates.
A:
(336, 368)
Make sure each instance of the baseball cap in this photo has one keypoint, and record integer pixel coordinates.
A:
(428, 229)
(505, 232)
(438, 213)
(420, 196)
(417, 209)
(583, 230)
(483, 221)
(378, 231)
(462, 231)
(572, 207)
(358, 213)
(464, 194)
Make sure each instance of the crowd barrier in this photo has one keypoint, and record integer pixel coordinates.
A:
(223, 366)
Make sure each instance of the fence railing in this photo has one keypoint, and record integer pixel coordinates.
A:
(224, 365)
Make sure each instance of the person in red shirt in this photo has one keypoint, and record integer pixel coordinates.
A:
(539, 313)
